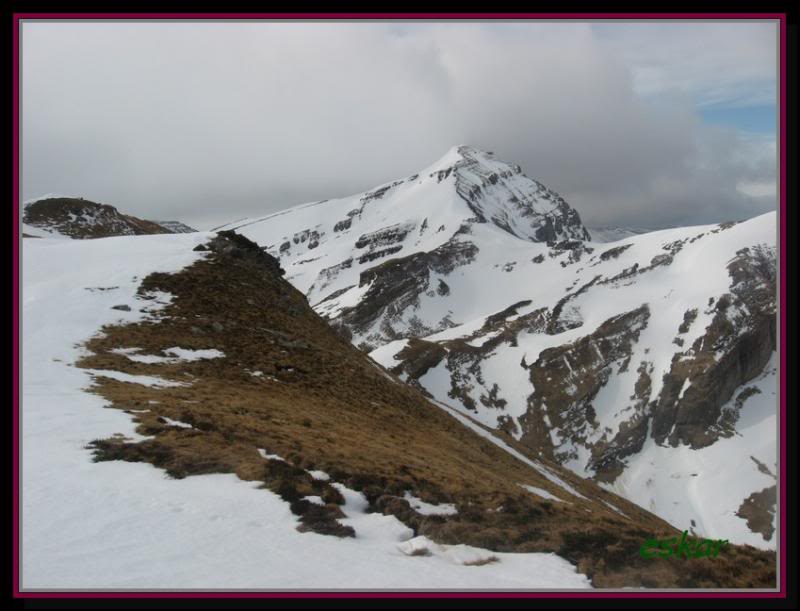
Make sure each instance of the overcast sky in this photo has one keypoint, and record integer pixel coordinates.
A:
(636, 124)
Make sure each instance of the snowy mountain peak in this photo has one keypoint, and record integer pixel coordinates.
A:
(452, 157)
(459, 155)
(395, 238)
(498, 192)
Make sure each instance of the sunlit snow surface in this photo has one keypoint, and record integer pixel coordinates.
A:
(429, 509)
(177, 355)
(542, 493)
(126, 525)
(658, 478)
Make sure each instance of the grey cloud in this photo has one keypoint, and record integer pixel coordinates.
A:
(210, 122)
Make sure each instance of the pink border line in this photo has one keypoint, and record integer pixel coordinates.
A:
(15, 309)
(415, 16)
(781, 17)
(782, 298)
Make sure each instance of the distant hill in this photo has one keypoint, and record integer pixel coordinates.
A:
(78, 218)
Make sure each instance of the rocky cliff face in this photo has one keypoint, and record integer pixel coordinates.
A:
(734, 349)
(566, 380)
(395, 286)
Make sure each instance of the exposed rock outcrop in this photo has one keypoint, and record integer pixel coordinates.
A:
(734, 349)
(395, 287)
(566, 380)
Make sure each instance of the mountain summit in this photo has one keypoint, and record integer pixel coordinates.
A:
(499, 193)
(422, 227)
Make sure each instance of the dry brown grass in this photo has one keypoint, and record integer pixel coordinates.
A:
(322, 404)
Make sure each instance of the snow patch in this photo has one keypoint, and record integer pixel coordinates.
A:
(120, 376)
(542, 493)
(263, 454)
(429, 509)
(186, 354)
(177, 423)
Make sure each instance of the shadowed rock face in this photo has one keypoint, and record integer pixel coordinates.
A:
(81, 219)
(734, 349)
(397, 285)
(476, 183)
(567, 379)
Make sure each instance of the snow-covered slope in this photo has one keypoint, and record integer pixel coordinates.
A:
(647, 364)
(124, 525)
(31, 231)
(482, 287)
